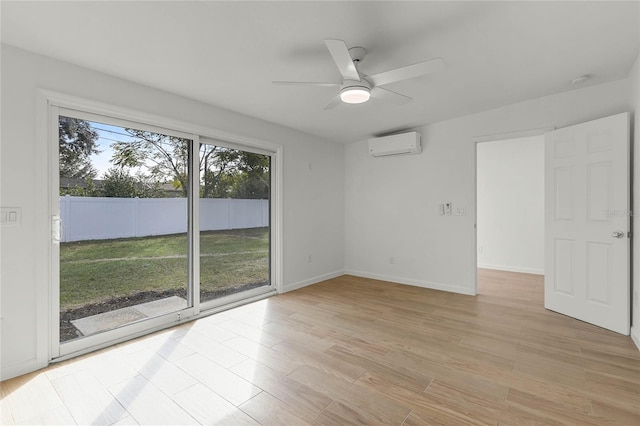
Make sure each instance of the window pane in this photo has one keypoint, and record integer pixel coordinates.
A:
(235, 188)
(123, 205)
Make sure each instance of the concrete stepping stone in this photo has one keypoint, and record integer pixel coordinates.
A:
(107, 320)
(123, 316)
(162, 306)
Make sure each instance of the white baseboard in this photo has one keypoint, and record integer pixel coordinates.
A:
(635, 336)
(312, 280)
(523, 270)
(20, 368)
(410, 281)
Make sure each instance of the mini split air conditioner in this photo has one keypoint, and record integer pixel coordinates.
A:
(403, 143)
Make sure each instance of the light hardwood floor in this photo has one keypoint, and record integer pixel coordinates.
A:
(353, 350)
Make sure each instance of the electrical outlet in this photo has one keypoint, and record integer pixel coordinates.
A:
(392, 260)
(310, 259)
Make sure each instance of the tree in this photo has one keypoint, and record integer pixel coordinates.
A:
(120, 183)
(224, 172)
(88, 190)
(219, 168)
(166, 157)
(77, 141)
(254, 180)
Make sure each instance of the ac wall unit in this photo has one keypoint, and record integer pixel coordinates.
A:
(403, 143)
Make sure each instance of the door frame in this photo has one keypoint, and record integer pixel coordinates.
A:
(46, 165)
(474, 167)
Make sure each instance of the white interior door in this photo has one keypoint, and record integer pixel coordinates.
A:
(587, 274)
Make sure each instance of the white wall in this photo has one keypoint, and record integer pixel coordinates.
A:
(510, 205)
(313, 193)
(391, 203)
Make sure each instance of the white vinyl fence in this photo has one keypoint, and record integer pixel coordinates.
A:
(101, 218)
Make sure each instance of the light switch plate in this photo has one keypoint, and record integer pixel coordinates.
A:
(10, 216)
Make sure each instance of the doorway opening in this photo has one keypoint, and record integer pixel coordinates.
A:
(510, 217)
(586, 220)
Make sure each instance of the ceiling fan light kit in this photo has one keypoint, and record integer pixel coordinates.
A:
(355, 92)
(356, 87)
(355, 95)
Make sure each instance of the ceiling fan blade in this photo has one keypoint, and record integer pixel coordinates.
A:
(342, 58)
(405, 73)
(334, 103)
(388, 95)
(305, 83)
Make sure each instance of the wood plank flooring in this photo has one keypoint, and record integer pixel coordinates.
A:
(352, 351)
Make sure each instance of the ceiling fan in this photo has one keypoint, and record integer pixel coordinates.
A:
(357, 87)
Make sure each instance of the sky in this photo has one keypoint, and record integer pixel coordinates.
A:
(108, 135)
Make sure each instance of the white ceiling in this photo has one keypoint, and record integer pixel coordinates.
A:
(227, 53)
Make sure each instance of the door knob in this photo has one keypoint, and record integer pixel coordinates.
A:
(617, 234)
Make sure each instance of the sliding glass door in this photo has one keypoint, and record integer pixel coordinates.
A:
(235, 222)
(124, 202)
(151, 227)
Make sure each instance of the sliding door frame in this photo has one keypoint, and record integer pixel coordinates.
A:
(232, 298)
(50, 106)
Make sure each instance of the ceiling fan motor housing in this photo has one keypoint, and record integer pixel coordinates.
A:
(357, 53)
(354, 84)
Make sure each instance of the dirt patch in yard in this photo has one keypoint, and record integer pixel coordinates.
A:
(69, 332)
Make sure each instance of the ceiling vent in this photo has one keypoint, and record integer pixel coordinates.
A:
(403, 143)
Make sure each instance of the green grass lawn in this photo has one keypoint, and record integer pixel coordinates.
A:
(98, 270)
